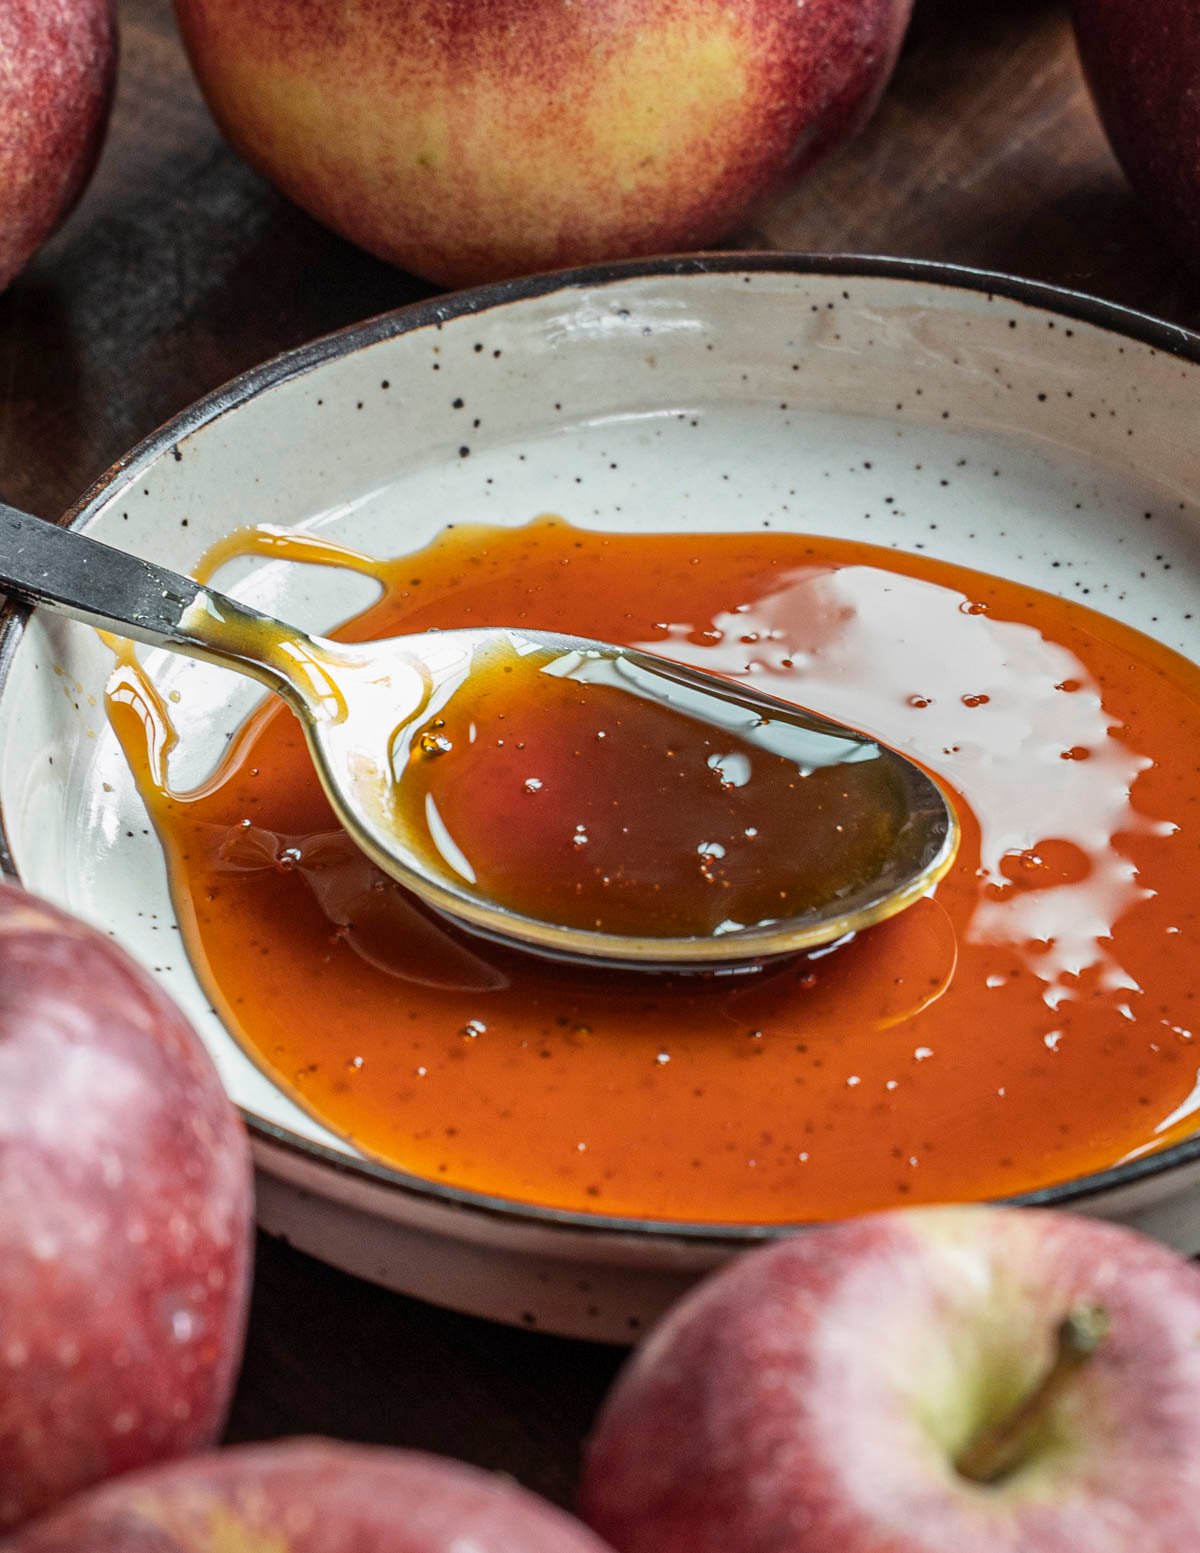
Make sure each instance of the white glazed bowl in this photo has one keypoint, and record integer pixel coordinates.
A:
(1034, 427)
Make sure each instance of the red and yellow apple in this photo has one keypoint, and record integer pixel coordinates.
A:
(957, 1380)
(309, 1496)
(471, 139)
(125, 1217)
(1142, 60)
(57, 68)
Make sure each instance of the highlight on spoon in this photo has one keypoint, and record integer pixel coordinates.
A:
(601, 803)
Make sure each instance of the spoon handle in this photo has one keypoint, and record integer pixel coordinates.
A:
(81, 578)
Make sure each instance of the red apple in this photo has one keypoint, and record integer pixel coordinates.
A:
(125, 1216)
(911, 1383)
(57, 68)
(1142, 59)
(469, 139)
(309, 1496)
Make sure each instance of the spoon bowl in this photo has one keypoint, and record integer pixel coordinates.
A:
(882, 830)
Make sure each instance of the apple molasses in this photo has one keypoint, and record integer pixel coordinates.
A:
(1028, 1022)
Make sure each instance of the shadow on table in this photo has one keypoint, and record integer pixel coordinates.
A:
(329, 1354)
(156, 296)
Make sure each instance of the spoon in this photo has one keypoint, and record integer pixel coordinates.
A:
(853, 831)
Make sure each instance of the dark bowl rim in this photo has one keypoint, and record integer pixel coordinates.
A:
(433, 312)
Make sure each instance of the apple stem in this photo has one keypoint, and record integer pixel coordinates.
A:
(1002, 1447)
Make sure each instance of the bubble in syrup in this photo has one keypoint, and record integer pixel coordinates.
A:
(1046, 864)
(734, 769)
(432, 742)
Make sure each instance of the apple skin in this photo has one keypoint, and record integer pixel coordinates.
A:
(309, 1496)
(125, 1216)
(58, 65)
(466, 141)
(812, 1397)
(1142, 61)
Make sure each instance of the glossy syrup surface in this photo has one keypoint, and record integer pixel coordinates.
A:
(591, 790)
(1029, 1022)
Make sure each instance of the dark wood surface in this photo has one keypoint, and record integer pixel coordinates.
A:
(182, 267)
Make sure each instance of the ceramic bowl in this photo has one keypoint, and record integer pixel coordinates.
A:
(1034, 427)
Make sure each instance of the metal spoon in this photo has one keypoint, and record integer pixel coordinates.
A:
(355, 701)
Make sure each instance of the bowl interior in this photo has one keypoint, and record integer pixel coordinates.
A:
(980, 428)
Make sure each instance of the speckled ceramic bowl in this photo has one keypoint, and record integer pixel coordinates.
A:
(1018, 429)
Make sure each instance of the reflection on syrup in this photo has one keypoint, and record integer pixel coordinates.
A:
(1008, 715)
(1028, 1023)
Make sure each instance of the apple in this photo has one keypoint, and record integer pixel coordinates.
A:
(309, 1496)
(58, 66)
(937, 1380)
(125, 1216)
(1142, 60)
(470, 139)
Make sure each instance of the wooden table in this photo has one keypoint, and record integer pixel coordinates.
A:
(183, 267)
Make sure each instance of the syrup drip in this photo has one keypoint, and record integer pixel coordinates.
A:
(1029, 1022)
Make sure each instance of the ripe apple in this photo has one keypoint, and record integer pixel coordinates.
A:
(57, 65)
(467, 140)
(915, 1382)
(1143, 63)
(125, 1216)
(309, 1496)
